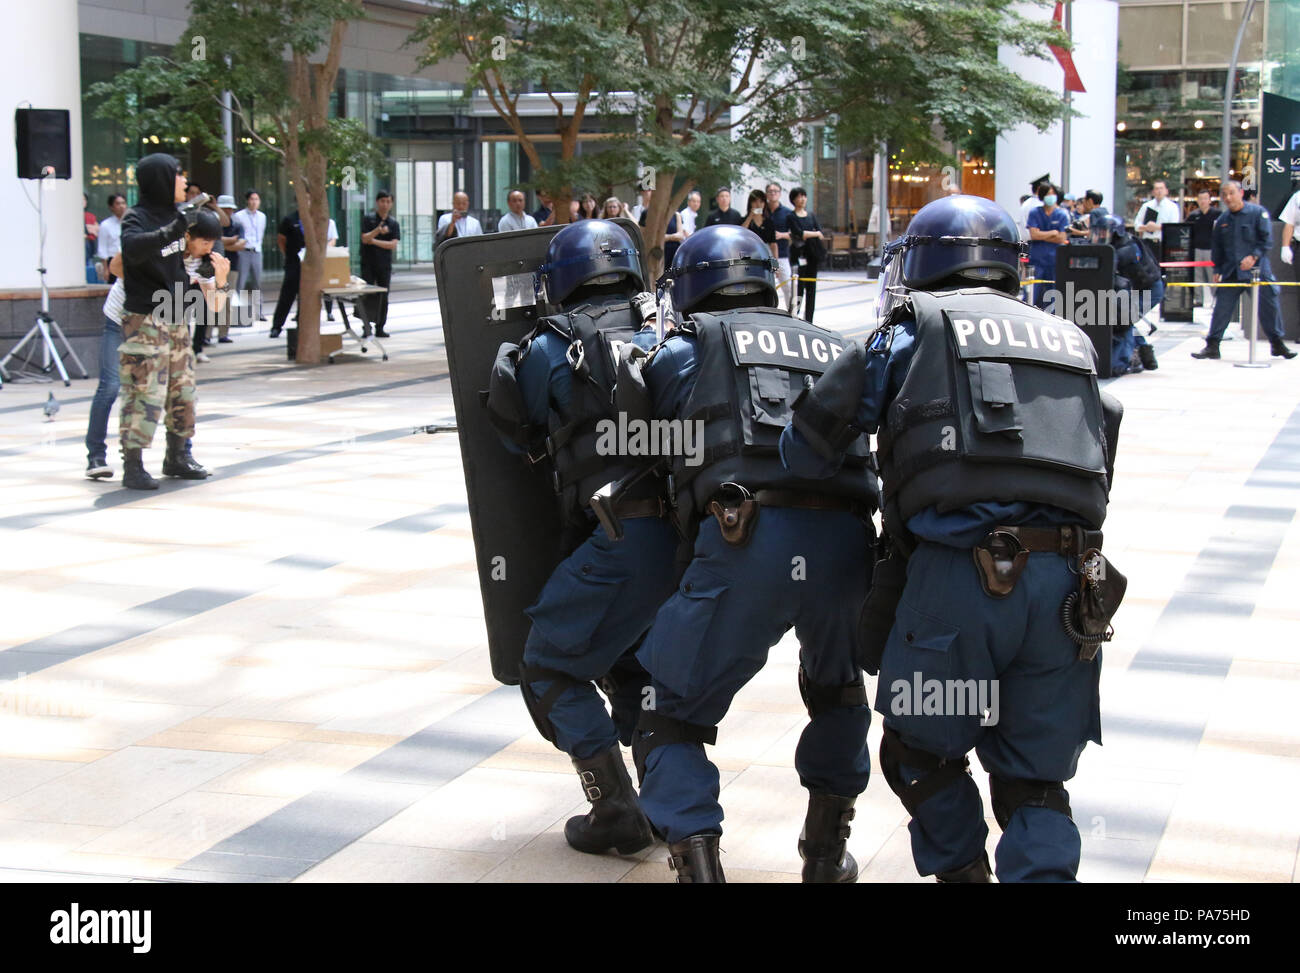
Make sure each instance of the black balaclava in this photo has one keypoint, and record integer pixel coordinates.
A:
(156, 176)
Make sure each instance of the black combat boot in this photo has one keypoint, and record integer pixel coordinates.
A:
(134, 475)
(823, 845)
(977, 871)
(180, 462)
(696, 860)
(1279, 349)
(1211, 350)
(615, 819)
(1147, 355)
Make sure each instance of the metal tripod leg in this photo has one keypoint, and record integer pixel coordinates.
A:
(50, 353)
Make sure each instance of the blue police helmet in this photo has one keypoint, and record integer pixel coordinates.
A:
(588, 252)
(725, 259)
(1115, 226)
(968, 237)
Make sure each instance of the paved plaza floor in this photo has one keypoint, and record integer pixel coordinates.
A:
(281, 673)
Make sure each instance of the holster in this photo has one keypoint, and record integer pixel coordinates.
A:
(1001, 559)
(1087, 613)
(736, 511)
(878, 609)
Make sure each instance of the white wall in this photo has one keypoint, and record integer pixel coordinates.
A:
(43, 67)
(1023, 153)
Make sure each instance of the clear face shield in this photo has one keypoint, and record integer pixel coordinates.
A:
(890, 292)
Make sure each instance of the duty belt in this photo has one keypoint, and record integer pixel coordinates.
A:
(1065, 541)
(806, 500)
(647, 507)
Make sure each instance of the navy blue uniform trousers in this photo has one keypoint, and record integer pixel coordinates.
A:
(589, 615)
(1046, 708)
(806, 569)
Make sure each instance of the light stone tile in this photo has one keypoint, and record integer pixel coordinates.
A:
(184, 827)
(293, 769)
(120, 787)
(369, 861)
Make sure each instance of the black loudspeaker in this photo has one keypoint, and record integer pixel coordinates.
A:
(44, 138)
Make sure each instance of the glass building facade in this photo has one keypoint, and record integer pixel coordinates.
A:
(1172, 72)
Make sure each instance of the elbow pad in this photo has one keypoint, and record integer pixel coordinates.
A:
(824, 410)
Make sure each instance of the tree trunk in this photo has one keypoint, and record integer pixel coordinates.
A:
(663, 204)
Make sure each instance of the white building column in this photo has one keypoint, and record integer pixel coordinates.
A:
(1023, 153)
(44, 68)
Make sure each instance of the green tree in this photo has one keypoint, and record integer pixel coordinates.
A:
(572, 53)
(711, 87)
(279, 59)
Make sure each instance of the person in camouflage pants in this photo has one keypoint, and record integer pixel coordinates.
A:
(156, 360)
(157, 373)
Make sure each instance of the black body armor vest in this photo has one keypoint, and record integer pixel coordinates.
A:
(1000, 403)
(751, 366)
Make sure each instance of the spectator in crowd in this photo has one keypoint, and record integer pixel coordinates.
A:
(613, 208)
(587, 207)
(108, 243)
(515, 218)
(91, 237)
(192, 190)
(331, 239)
(101, 406)
(779, 216)
(1156, 210)
(379, 236)
(689, 214)
(1202, 219)
(232, 245)
(807, 250)
(208, 317)
(543, 215)
(724, 213)
(575, 211)
(756, 218)
(1242, 238)
(1047, 226)
(1090, 218)
(1031, 202)
(291, 241)
(643, 203)
(673, 235)
(458, 222)
(1289, 216)
(251, 222)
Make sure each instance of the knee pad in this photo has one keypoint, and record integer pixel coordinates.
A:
(539, 707)
(653, 731)
(1009, 794)
(818, 698)
(939, 773)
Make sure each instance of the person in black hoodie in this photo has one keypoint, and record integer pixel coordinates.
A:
(155, 351)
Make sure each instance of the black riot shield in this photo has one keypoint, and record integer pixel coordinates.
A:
(485, 291)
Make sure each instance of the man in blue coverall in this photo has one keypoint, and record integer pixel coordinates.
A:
(1242, 237)
(995, 466)
(601, 599)
(773, 551)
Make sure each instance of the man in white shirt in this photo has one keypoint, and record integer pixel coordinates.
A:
(458, 222)
(252, 225)
(1155, 211)
(687, 217)
(1030, 202)
(109, 241)
(515, 218)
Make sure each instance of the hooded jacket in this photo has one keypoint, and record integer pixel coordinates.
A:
(153, 242)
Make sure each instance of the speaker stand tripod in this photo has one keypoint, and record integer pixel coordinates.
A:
(39, 333)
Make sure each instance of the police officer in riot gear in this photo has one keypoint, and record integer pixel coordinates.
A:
(773, 551)
(548, 394)
(1137, 274)
(996, 454)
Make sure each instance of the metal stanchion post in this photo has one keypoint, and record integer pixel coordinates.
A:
(1254, 323)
